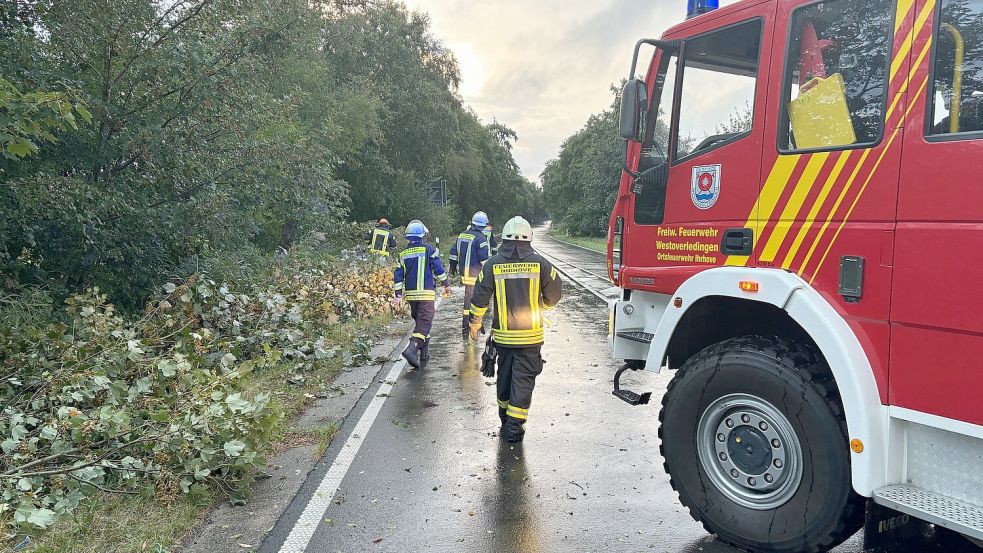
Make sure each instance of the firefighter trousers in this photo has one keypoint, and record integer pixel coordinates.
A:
(422, 312)
(517, 372)
(468, 294)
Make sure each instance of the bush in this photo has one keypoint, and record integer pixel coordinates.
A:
(158, 406)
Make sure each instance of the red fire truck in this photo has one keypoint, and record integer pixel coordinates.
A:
(796, 237)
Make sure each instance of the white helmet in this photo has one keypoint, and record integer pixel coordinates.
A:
(517, 228)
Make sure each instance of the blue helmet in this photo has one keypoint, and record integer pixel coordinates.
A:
(416, 229)
(479, 219)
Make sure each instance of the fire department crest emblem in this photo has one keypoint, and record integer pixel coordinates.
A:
(705, 188)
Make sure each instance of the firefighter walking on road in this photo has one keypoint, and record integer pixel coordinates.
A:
(381, 238)
(415, 279)
(492, 241)
(523, 285)
(468, 253)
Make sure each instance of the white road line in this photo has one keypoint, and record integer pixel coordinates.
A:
(303, 530)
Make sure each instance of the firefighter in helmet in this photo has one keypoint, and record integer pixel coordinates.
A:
(415, 280)
(492, 241)
(381, 238)
(523, 285)
(468, 253)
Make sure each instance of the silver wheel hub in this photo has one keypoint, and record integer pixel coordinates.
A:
(749, 450)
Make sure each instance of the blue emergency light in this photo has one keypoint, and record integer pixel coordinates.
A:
(697, 7)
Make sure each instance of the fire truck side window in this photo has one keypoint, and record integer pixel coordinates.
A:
(836, 74)
(957, 95)
(650, 201)
(720, 72)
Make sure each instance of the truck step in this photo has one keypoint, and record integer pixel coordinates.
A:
(632, 398)
(628, 396)
(959, 516)
(636, 336)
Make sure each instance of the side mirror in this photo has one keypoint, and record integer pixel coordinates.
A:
(634, 104)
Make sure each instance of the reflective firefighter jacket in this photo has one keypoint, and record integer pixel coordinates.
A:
(468, 253)
(492, 241)
(418, 272)
(380, 240)
(523, 285)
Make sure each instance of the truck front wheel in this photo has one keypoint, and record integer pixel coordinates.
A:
(755, 443)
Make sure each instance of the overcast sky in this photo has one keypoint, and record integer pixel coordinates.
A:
(543, 66)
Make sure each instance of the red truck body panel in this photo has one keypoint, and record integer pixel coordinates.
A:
(908, 205)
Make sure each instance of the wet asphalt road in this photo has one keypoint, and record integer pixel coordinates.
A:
(433, 474)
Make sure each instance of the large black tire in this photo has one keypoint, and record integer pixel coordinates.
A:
(818, 513)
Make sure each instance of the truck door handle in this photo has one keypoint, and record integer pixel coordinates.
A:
(737, 241)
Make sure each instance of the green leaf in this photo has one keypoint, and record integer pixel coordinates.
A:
(84, 113)
(236, 403)
(22, 147)
(167, 367)
(42, 518)
(233, 448)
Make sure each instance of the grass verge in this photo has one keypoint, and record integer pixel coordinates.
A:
(111, 523)
(590, 242)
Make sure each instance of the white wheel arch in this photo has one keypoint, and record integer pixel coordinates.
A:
(866, 417)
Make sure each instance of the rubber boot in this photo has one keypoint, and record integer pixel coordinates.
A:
(412, 352)
(502, 416)
(466, 327)
(425, 354)
(513, 430)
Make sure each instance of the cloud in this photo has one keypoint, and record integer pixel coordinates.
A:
(544, 67)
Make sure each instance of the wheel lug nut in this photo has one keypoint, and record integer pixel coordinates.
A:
(745, 419)
(752, 482)
(721, 437)
(734, 473)
(778, 463)
(729, 423)
(723, 456)
(775, 443)
(769, 478)
(763, 426)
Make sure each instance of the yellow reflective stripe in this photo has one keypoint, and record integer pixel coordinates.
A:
(467, 311)
(413, 295)
(465, 239)
(816, 206)
(802, 188)
(517, 413)
(398, 286)
(385, 240)
(470, 281)
(503, 404)
(534, 313)
(518, 337)
(421, 269)
(481, 276)
(553, 273)
(410, 252)
(477, 311)
(441, 276)
(420, 336)
(768, 198)
(500, 305)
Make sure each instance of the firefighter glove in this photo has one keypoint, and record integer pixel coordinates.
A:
(446, 293)
(475, 327)
(397, 302)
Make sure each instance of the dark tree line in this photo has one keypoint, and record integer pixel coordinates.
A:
(141, 138)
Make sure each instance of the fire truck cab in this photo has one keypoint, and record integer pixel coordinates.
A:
(796, 238)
